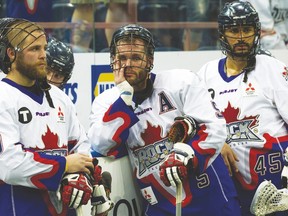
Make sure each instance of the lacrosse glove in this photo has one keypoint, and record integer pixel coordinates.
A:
(175, 167)
(75, 190)
(100, 201)
(182, 130)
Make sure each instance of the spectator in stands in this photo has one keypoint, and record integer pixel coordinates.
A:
(117, 11)
(202, 11)
(274, 23)
(35, 11)
(196, 11)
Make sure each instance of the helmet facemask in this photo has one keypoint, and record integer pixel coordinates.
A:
(131, 52)
(247, 41)
(132, 43)
(13, 34)
(241, 15)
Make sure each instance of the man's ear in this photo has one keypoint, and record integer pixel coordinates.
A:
(11, 53)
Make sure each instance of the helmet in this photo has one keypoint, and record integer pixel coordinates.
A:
(237, 14)
(133, 31)
(130, 32)
(60, 59)
(13, 32)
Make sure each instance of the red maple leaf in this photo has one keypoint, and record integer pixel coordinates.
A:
(151, 134)
(231, 114)
(50, 141)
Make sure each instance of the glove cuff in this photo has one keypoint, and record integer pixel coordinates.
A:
(100, 202)
(185, 150)
(126, 92)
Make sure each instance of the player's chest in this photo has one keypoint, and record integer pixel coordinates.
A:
(42, 127)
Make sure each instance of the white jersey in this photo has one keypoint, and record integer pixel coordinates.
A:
(34, 140)
(144, 127)
(256, 115)
(273, 15)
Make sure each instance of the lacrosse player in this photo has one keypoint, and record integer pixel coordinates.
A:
(60, 62)
(251, 93)
(46, 166)
(167, 125)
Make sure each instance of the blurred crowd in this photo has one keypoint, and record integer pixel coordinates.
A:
(84, 13)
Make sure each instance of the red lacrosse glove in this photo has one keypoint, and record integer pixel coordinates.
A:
(175, 167)
(75, 190)
(182, 130)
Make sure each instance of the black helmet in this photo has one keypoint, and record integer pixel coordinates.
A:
(133, 31)
(60, 58)
(10, 30)
(237, 14)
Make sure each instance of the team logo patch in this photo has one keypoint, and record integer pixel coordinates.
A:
(240, 130)
(250, 90)
(149, 195)
(24, 115)
(60, 115)
(285, 73)
(149, 156)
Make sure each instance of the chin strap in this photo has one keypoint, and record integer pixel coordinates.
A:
(140, 96)
(250, 66)
(44, 86)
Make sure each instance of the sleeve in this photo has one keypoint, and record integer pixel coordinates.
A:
(109, 125)
(279, 88)
(211, 135)
(22, 167)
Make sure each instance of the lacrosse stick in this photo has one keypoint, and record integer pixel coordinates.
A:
(79, 211)
(268, 199)
(179, 199)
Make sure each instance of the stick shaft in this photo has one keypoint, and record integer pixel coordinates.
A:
(179, 199)
(79, 211)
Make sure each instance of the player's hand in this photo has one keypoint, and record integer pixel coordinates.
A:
(76, 163)
(175, 167)
(118, 71)
(182, 130)
(230, 159)
(74, 190)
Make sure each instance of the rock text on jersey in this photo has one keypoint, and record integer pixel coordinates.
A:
(151, 155)
(240, 130)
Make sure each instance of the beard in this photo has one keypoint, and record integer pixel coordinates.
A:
(31, 71)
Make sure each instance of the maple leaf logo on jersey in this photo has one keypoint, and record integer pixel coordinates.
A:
(154, 151)
(240, 130)
(285, 73)
(51, 143)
